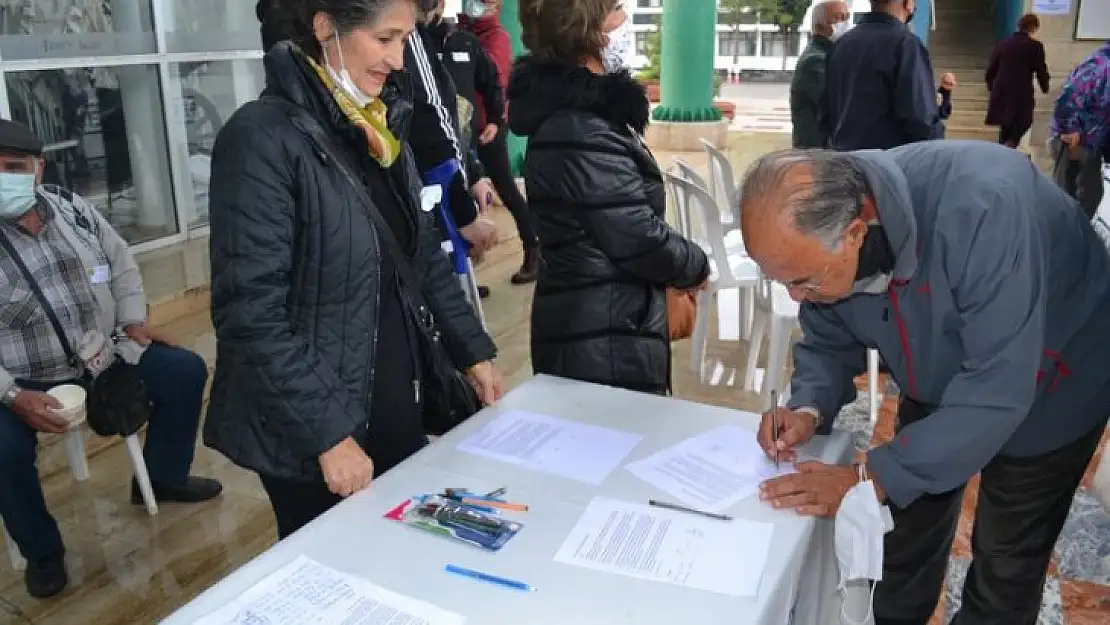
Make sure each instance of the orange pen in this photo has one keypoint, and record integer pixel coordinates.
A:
(500, 505)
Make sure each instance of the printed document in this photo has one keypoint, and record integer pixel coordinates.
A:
(711, 471)
(662, 545)
(587, 453)
(305, 592)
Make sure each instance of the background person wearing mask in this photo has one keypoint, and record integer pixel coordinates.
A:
(1014, 62)
(599, 313)
(988, 295)
(880, 91)
(485, 23)
(321, 365)
(830, 20)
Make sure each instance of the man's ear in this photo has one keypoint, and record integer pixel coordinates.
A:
(855, 233)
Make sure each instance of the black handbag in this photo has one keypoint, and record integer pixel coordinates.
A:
(116, 401)
(449, 398)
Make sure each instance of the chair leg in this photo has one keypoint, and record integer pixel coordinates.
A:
(778, 350)
(74, 442)
(755, 344)
(470, 287)
(18, 563)
(135, 450)
(873, 384)
(700, 338)
(747, 296)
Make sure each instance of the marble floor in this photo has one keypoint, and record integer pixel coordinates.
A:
(129, 568)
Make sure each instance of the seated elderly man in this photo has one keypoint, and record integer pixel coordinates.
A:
(987, 292)
(84, 270)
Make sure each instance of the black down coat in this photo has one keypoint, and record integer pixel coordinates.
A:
(600, 308)
(296, 278)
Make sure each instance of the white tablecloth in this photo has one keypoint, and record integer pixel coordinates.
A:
(800, 577)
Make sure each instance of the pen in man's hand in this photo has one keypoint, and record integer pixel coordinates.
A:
(775, 424)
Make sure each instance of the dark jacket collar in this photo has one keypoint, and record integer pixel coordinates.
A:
(480, 25)
(891, 191)
(821, 43)
(878, 17)
(288, 75)
(538, 89)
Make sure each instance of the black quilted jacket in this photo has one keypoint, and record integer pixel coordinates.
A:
(599, 312)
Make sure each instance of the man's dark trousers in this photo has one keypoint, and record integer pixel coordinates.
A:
(1023, 503)
(174, 379)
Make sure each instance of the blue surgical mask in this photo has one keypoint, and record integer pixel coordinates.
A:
(17, 194)
(475, 8)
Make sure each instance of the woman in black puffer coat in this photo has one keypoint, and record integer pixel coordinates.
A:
(600, 308)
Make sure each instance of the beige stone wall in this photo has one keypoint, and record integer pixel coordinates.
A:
(1063, 53)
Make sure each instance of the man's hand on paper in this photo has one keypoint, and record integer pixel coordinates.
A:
(815, 490)
(347, 469)
(795, 429)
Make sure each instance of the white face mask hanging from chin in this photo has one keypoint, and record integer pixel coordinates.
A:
(859, 527)
(343, 78)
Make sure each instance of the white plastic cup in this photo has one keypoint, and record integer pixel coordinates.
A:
(72, 398)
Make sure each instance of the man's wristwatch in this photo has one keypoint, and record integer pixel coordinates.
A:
(9, 396)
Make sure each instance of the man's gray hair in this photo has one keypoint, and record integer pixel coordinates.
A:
(822, 206)
(822, 15)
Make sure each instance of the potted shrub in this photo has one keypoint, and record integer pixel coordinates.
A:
(649, 75)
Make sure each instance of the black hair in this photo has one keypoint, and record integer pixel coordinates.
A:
(294, 18)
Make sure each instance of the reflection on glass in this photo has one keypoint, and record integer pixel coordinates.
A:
(105, 140)
(209, 93)
(209, 25)
(38, 29)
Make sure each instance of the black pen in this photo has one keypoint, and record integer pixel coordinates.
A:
(775, 425)
(678, 508)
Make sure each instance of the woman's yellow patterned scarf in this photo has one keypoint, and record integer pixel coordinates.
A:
(371, 119)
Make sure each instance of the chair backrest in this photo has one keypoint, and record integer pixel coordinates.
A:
(705, 225)
(722, 180)
(687, 171)
(678, 213)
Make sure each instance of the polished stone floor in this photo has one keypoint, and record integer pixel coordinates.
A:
(127, 567)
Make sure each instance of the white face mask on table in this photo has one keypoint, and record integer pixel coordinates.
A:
(859, 527)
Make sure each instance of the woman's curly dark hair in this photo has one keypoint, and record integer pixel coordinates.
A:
(566, 31)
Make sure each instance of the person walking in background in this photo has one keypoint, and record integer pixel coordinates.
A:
(482, 20)
(1080, 140)
(1014, 62)
(880, 91)
(600, 307)
(830, 20)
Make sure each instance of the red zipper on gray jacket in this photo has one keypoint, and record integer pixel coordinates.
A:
(903, 335)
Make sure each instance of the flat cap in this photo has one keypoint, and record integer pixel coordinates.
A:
(17, 138)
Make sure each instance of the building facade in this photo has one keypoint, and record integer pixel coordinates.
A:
(128, 96)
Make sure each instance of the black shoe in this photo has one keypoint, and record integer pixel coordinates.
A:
(194, 490)
(46, 578)
(530, 269)
(483, 291)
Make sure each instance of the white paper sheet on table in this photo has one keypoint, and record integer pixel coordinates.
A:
(305, 592)
(588, 453)
(679, 548)
(712, 470)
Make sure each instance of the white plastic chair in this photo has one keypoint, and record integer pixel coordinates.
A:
(873, 384)
(722, 181)
(775, 317)
(725, 215)
(729, 268)
(74, 442)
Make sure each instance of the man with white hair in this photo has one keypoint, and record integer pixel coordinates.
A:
(987, 292)
(829, 20)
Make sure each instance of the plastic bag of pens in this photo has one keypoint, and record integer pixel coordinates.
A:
(457, 520)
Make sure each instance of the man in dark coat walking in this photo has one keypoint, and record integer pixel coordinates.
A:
(807, 88)
(1014, 62)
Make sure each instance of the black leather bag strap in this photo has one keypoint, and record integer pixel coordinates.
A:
(71, 355)
(310, 127)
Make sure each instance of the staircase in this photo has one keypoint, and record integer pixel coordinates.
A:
(962, 44)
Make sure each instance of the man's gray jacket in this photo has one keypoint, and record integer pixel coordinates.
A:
(997, 314)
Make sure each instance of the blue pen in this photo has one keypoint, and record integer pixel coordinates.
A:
(486, 577)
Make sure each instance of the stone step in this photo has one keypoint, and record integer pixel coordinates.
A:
(978, 133)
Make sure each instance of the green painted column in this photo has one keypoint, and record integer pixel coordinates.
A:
(686, 80)
(511, 21)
